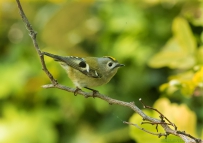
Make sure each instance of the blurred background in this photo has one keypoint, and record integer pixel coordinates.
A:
(159, 41)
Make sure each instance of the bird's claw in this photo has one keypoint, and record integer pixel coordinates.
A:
(94, 92)
(76, 91)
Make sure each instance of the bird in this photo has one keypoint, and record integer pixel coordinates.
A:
(88, 72)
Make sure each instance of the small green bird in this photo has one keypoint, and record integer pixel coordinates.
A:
(88, 72)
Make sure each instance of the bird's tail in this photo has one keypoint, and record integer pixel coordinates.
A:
(55, 57)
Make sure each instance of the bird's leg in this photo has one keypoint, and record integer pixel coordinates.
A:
(76, 91)
(94, 91)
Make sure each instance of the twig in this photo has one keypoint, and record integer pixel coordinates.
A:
(156, 134)
(105, 98)
(154, 123)
(33, 36)
(161, 115)
(183, 133)
(55, 84)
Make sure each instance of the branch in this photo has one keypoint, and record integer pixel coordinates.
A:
(111, 101)
(156, 134)
(161, 116)
(33, 36)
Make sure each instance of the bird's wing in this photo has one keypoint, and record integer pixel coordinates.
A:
(76, 63)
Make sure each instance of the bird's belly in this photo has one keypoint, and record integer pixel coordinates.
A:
(88, 82)
(81, 80)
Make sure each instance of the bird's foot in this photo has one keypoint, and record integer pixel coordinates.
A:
(94, 92)
(76, 91)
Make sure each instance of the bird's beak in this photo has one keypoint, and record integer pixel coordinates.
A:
(119, 65)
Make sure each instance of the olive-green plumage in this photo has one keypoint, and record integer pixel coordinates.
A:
(89, 71)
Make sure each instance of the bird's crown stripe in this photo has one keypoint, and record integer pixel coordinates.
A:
(112, 58)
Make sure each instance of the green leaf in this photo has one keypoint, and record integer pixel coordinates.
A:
(200, 55)
(179, 51)
(183, 34)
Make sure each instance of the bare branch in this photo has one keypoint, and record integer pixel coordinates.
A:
(156, 134)
(183, 133)
(161, 115)
(33, 36)
(168, 130)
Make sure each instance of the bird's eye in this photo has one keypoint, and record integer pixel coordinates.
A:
(110, 64)
(82, 64)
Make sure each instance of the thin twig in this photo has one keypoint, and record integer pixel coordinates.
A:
(161, 115)
(33, 36)
(105, 98)
(183, 133)
(155, 123)
(55, 84)
(156, 134)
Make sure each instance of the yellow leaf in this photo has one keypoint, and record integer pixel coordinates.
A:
(179, 51)
(198, 78)
(184, 35)
(180, 115)
(200, 54)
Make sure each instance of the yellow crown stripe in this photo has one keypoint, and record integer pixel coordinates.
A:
(112, 58)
